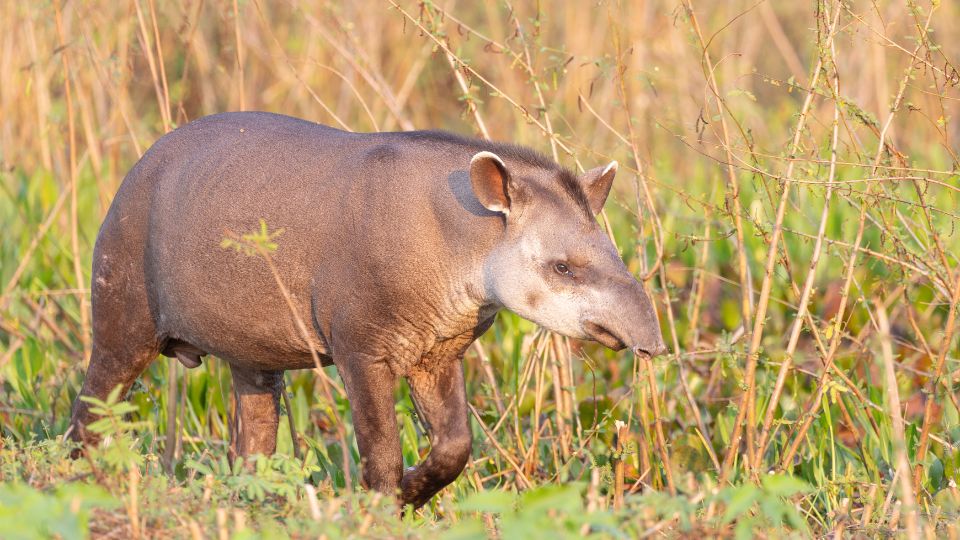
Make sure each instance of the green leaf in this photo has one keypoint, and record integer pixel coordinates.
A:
(559, 498)
(471, 529)
(744, 529)
(783, 485)
(935, 474)
(741, 499)
(488, 501)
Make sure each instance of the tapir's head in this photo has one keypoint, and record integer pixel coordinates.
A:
(555, 266)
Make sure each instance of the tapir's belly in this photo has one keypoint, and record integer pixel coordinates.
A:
(227, 302)
(244, 323)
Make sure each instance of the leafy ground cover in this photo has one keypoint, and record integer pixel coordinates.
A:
(788, 194)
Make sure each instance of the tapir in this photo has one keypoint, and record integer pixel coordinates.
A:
(396, 250)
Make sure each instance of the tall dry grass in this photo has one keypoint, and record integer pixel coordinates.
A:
(788, 195)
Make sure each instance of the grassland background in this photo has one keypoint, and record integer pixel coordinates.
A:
(767, 149)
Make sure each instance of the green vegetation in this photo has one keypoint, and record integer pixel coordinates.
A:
(788, 193)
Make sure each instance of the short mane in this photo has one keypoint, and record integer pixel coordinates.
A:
(511, 152)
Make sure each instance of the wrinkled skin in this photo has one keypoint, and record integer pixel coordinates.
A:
(398, 249)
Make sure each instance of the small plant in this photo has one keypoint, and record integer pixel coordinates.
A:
(767, 507)
(253, 243)
(119, 448)
(543, 512)
(252, 480)
(795, 184)
(64, 512)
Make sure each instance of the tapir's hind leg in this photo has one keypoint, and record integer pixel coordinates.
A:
(125, 339)
(108, 369)
(257, 395)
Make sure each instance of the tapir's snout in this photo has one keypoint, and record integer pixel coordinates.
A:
(646, 337)
(629, 322)
(656, 349)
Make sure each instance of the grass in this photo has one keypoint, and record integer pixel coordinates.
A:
(788, 193)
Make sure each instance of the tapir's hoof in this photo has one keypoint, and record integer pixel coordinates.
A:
(73, 437)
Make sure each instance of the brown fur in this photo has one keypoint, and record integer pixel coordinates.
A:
(386, 252)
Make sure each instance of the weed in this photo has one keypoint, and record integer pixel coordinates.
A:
(787, 195)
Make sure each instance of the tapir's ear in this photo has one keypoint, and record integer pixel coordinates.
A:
(490, 181)
(597, 183)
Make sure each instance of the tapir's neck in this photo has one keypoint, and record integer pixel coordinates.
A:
(468, 236)
(469, 303)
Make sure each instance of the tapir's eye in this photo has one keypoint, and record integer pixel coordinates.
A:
(562, 269)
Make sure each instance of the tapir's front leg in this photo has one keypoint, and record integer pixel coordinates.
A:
(370, 384)
(441, 401)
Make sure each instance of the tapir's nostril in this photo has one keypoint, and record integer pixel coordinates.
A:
(656, 350)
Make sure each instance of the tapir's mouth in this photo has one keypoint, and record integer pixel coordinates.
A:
(603, 336)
